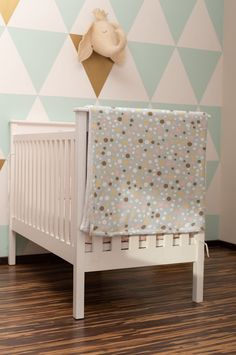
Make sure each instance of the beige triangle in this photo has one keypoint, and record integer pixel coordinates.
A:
(7, 7)
(96, 66)
(42, 15)
(213, 94)
(67, 78)
(37, 112)
(199, 32)
(86, 17)
(124, 82)
(150, 25)
(175, 86)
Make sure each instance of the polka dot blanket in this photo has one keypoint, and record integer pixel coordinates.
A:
(146, 172)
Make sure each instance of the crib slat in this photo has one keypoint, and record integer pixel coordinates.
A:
(20, 181)
(28, 144)
(151, 241)
(116, 244)
(33, 184)
(51, 200)
(72, 187)
(168, 240)
(22, 165)
(56, 188)
(67, 190)
(39, 182)
(30, 156)
(133, 242)
(184, 240)
(16, 185)
(47, 186)
(26, 182)
(62, 182)
(97, 244)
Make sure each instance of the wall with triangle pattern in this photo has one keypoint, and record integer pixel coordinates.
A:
(174, 60)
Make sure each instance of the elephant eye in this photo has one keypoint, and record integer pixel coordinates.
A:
(104, 31)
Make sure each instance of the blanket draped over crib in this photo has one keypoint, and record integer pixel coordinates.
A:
(146, 172)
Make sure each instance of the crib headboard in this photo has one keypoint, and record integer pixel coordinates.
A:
(24, 127)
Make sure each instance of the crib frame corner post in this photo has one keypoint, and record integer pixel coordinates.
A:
(12, 247)
(198, 269)
(11, 181)
(78, 291)
(79, 194)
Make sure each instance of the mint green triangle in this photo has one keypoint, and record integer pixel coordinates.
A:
(3, 240)
(178, 107)
(212, 227)
(214, 125)
(38, 50)
(1, 30)
(12, 107)
(177, 13)
(126, 13)
(199, 65)
(211, 170)
(151, 61)
(61, 108)
(69, 10)
(216, 12)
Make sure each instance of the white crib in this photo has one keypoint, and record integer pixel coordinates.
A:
(47, 188)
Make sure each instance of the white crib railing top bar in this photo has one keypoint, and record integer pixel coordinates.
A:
(40, 123)
(44, 136)
(81, 109)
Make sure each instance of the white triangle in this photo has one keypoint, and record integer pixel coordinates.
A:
(213, 94)
(199, 31)
(213, 194)
(174, 86)
(38, 15)
(211, 153)
(86, 17)
(124, 83)
(37, 112)
(67, 76)
(14, 78)
(150, 25)
(4, 206)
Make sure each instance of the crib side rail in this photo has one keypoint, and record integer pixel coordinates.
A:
(43, 182)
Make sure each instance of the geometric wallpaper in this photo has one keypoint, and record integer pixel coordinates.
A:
(173, 60)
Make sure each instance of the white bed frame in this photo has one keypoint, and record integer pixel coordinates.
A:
(47, 188)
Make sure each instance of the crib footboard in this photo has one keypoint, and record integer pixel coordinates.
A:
(42, 191)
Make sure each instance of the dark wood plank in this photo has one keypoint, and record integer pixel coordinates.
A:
(135, 311)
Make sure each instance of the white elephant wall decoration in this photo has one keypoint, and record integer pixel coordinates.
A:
(105, 38)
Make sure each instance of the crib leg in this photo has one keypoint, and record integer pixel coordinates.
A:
(78, 293)
(198, 270)
(12, 247)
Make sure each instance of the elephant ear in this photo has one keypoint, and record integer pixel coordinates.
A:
(119, 58)
(85, 48)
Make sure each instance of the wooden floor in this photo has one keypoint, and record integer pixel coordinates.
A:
(138, 311)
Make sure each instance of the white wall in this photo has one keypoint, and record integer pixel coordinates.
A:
(228, 158)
